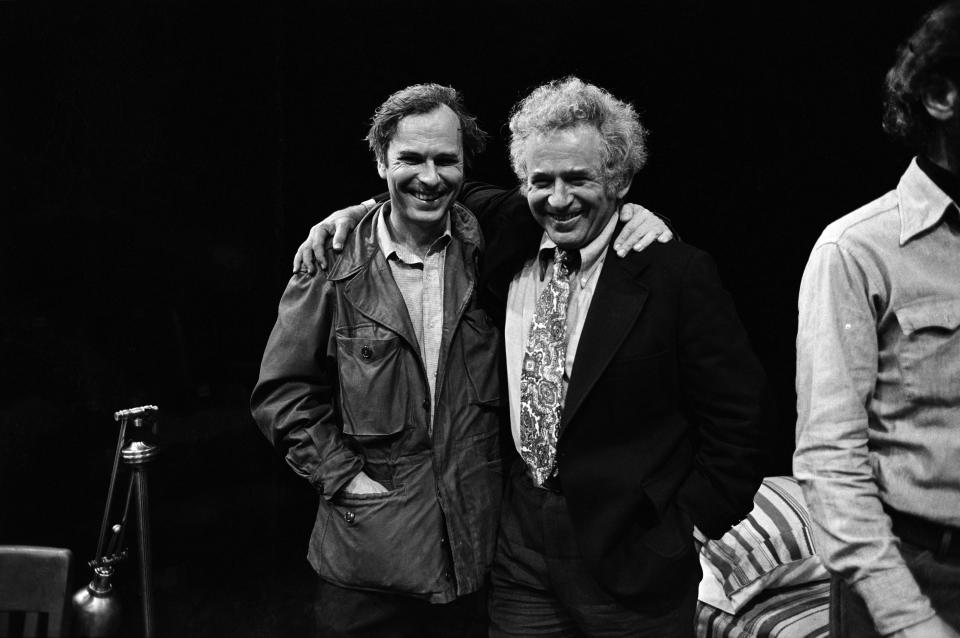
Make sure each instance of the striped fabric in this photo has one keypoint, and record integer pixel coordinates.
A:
(776, 536)
(801, 611)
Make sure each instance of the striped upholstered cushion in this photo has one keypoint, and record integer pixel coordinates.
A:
(801, 611)
(774, 541)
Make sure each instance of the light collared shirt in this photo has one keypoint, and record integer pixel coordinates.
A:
(421, 284)
(878, 387)
(522, 298)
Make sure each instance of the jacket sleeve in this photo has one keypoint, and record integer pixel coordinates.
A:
(494, 207)
(723, 386)
(294, 401)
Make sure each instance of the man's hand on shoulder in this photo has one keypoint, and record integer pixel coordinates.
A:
(338, 225)
(931, 628)
(642, 228)
(363, 484)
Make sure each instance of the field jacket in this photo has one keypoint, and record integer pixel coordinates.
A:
(343, 387)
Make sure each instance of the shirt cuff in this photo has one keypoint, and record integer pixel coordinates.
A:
(893, 599)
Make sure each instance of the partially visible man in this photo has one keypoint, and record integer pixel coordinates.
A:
(380, 386)
(634, 394)
(878, 368)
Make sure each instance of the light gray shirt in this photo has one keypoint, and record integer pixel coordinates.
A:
(421, 284)
(878, 387)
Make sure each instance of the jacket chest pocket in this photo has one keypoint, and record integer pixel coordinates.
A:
(374, 388)
(929, 352)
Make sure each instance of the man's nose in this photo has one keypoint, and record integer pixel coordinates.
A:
(428, 174)
(559, 196)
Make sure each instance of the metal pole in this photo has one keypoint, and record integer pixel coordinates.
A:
(138, 455)
(143, 541)
(113, 481)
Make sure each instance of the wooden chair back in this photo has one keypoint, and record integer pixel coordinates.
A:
(34, 591)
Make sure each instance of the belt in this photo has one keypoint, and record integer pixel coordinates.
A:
(943, 540)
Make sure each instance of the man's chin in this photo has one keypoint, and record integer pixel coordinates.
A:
(567, 241)
(569, 237)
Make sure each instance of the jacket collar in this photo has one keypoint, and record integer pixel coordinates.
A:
(362, 245)
(370, 287)
(922, 203)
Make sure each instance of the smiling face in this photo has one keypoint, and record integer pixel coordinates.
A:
(424, 170)
(566, 191)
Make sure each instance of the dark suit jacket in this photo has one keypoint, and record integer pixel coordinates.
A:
(661, 424)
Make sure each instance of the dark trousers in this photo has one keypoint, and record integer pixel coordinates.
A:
(352, 613)
(540, 586)
(938, 578)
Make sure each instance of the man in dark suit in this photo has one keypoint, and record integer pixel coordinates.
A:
(634, 395)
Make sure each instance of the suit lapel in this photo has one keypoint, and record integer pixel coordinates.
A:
(617, 301)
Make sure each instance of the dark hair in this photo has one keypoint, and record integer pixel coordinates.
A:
(417, 99)
(927, 57)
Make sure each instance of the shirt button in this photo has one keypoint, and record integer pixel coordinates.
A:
(366, 352)
(350, 517)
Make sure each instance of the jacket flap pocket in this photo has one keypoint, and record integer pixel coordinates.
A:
(374, 385)
(943, 314)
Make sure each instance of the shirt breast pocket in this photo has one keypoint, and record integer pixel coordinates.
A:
(373, 384)
(929, 352)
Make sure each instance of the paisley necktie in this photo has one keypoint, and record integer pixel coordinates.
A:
(541, 381)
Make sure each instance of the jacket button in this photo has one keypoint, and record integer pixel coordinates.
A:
(426, 404)
(350, 517)
(366, 352)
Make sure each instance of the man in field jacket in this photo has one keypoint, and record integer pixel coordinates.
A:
(380, 386)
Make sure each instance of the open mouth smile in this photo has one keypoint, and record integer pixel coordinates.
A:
(428, 197)
(564, 217)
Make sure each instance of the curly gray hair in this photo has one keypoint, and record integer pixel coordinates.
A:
(568, 103)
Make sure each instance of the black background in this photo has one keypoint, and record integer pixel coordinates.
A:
(163, 160)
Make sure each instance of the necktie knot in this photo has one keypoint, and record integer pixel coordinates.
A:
(563, 262)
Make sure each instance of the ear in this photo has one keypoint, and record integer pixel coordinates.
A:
(382, 169)
(941, 100)
(623, 191)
